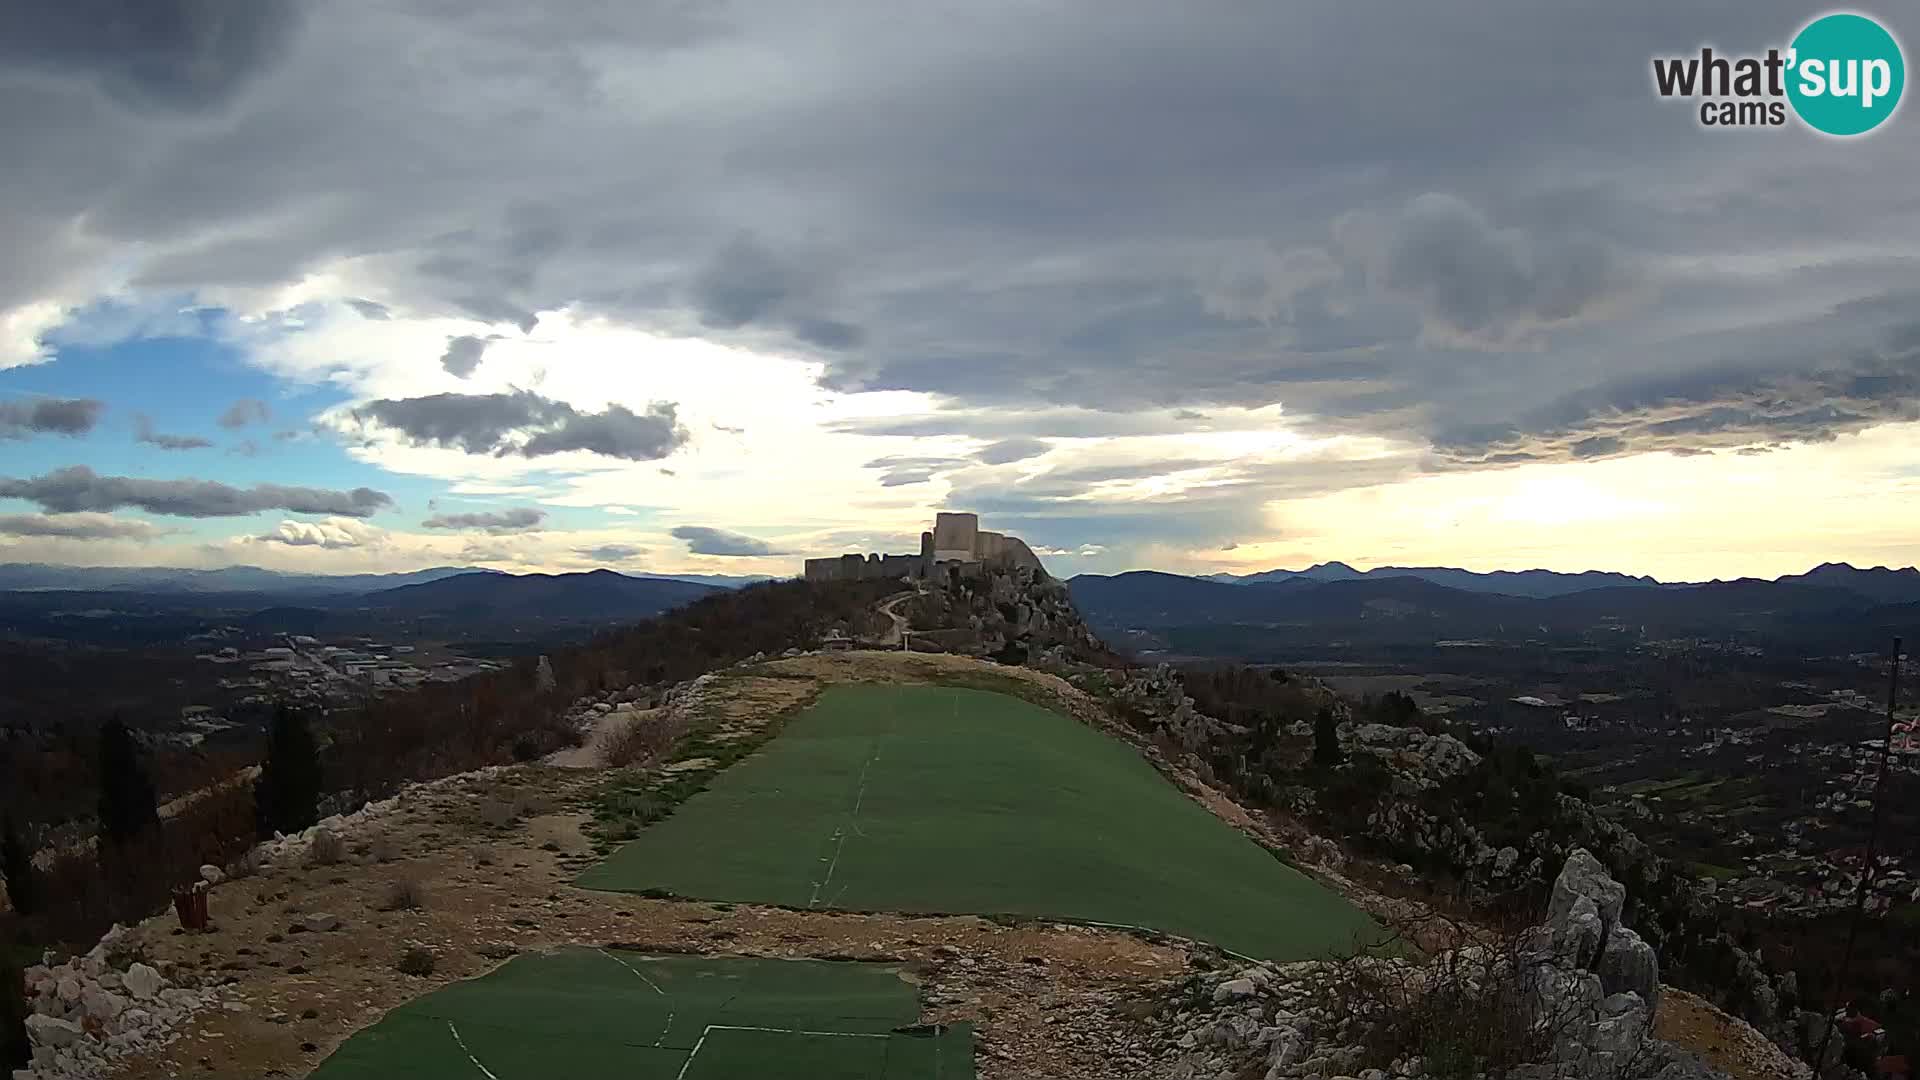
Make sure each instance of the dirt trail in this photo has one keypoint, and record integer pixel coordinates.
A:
(899, 627)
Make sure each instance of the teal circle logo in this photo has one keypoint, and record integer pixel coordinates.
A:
(1845, 74)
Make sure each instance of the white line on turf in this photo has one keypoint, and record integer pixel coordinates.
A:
(711, 1028)
(664, 1028)
(488, 1073)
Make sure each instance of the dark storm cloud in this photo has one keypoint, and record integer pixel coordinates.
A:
(49, 416)
(77, 488)
(243, 412)
(175, 53)
(143, 432)
(1008, 450)
(517, 519)
(524, 423)
(463, 355)
(1484, 285)
(705, 541)
(1727, 406)
(76, 527)
(747, 284)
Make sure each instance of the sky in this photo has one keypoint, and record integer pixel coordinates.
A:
(702, 286)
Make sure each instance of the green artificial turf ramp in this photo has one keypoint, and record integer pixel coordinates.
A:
(602, 1014)
(935, 799)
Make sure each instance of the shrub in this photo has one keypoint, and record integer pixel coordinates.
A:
(327, 848)
(483, 856)
(497, 813)
(416, 961)
(382, 849)
(636, 741)
(405, 894)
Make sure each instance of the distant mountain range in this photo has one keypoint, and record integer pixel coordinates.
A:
(1878, 583)
(593, 595)
(34, 577)
(1828, 607)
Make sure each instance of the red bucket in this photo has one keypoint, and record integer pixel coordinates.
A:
(190, 904)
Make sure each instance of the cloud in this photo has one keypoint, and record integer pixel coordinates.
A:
(331, 534)
(143, 432)
(517, 519)
(463, 355)
(705, 541)
(77, 488)
(904, 470)
(1728, 406)
(78, 527)
(746, 283)
(526, 424)
(243, 412)
(610, 552)
(1008, 450)
(370, 310)
(177, 54)
(57, 416)
(1481, 285)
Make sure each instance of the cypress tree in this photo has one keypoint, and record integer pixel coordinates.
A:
(128, 805)
(15, 1051)
(1326, 738)
(286, 798)
(16, 862)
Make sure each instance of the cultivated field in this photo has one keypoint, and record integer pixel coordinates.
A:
(938, 799)
(606, 1014)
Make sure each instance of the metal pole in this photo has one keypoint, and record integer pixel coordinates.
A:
(1873, 848)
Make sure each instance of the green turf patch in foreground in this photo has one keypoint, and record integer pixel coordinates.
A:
(935, 799)
(605, 1014)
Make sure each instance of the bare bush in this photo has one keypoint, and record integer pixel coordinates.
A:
(405, 894)
(637, 741)
(416, 961)
(483, 855)
(382, 849)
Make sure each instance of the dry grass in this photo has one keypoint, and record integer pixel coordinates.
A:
(638, 741)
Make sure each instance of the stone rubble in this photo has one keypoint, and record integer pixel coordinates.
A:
(94, 1010)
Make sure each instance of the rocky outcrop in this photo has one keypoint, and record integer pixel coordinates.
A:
(1589, 984)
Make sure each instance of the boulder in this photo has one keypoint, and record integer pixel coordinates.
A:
(212, 874)
(102, 1005)
(1578, 934)
(1583, 875)
(48, 1032)
(1628, 965)
(142, 981)
(69, 989)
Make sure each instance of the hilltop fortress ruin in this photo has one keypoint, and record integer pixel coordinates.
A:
(956, 544)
